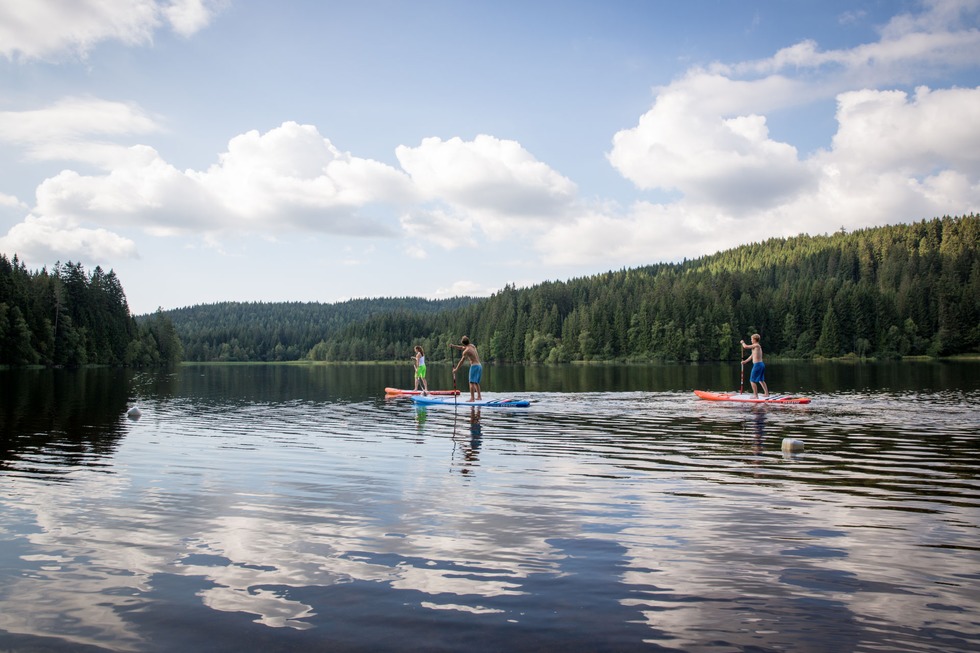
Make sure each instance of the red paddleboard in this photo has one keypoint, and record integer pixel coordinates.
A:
(396, 391)
(747, 397)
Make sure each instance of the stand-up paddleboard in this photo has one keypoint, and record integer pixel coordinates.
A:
(747, 397)
(396, 391)
(497, 403)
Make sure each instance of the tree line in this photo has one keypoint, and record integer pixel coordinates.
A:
(287, 331)
(884, 292)
(71, 318)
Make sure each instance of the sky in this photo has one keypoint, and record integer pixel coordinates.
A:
(319, 151)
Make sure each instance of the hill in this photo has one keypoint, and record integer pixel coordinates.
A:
(283, 331)
(911, 289)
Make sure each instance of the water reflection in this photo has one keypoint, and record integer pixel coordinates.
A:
(421, 417)
(313, 518)
(353, 382)
(759, 428)
(471, 441)
(55, 420)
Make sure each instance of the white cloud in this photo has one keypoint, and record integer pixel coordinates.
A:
(496, 182)
(290, 178)
(464, 288)
(939, 16)
(39, 239)
(437, 227)
(687, 143)
(293, 176)
(51, 29)
(187, 17)
(942, 36)
(141, 190)
(886, 130)
(706, 138)
(11, 202)
(645, 233)
(893, 157)
(74, 118)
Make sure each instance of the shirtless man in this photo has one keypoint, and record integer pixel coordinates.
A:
(476, 369)
(758, 374)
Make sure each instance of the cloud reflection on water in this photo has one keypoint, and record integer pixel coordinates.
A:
(690, 525)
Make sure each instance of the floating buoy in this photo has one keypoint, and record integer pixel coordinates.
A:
(791, 445)
(133, 413)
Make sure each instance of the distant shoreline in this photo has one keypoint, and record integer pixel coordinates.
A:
(629, 363)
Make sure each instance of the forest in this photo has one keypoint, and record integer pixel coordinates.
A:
(884, 292)
(285, 331)
(67, 317)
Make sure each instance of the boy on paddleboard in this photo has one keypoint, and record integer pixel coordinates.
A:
(476, 369)
(758, 375)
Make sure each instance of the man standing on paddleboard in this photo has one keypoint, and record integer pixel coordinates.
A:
(758, 374)
(476, 369)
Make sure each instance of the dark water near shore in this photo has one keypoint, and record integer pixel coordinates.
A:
(294, 508)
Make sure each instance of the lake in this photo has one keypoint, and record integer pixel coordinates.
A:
(296, 508)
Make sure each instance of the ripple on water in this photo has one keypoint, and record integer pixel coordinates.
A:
(634, 516)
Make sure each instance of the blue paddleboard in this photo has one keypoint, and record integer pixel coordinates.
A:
(444, 401)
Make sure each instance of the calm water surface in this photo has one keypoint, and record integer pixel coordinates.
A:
(291, 508)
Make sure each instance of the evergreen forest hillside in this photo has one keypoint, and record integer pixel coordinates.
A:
(68, 317)
(911, 289)
(284, 331)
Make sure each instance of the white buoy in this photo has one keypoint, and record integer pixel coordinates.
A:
(792, 446)
(133, 413)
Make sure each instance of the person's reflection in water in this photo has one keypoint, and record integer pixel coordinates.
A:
(758, 428)
(471, 450)
(421, 414)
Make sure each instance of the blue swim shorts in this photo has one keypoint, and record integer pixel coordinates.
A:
(758, 374)
(476, 373)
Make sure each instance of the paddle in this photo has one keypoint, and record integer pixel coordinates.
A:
(741, 381)
(455, 393)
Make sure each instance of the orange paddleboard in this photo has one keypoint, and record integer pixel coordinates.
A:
(747, 397)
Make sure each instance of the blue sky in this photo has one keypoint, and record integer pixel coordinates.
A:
(321, 151)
